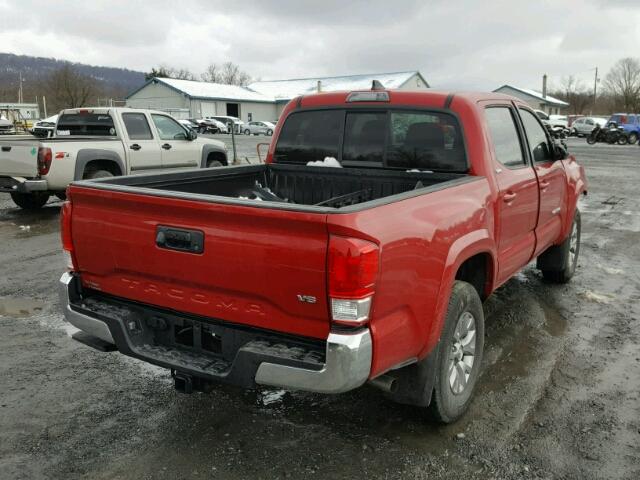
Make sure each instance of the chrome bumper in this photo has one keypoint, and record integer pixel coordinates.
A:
(92, 326)
(347, 366)
(22, 185)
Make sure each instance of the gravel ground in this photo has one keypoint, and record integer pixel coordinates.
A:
(559, 396)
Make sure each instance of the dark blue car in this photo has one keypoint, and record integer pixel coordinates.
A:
(630, 122)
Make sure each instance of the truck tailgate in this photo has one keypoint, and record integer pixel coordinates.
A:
(19, 159)
(254, 264)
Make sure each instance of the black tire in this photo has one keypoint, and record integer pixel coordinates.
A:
(633, 138)
(622, 140)
(447, 406)
(247, 132)
(30, 201)
(269, 132)
(97, 173)
(591, 139)
(62, 195)
(214, 163)
(558, 263)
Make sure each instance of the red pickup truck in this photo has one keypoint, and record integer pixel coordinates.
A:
(368, 266)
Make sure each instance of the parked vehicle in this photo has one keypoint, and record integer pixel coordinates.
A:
(553, 120)
(585, 125)
(629, 122)
(210, 125)
(231, 122)
(301, 276)
(100, 142)
(7, 127)
(259, 128)
(44, 128)
(611, 133)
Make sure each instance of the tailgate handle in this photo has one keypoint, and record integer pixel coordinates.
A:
(180, 239)
(6, 148)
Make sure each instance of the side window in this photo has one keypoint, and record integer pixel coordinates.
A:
(137, 126)
(589, 122)
(537, 137)
(168, 128)
(504, 134)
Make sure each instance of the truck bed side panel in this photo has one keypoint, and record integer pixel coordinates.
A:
(254, 265)
(415, 237)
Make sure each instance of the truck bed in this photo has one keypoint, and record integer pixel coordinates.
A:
(289, 186)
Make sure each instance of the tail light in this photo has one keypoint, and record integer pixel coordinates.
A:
(352, 272)
(65, 234)
(44, 160)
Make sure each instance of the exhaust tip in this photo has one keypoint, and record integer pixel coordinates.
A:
(386, 383)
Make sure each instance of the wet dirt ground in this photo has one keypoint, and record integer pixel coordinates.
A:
(559, 396)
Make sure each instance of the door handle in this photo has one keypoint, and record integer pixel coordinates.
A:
(166, 146)
(135, 147)
(509, 196)
(6, 148)
(544, 184)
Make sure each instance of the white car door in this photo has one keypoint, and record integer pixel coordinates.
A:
(143, 149)
(177, 150)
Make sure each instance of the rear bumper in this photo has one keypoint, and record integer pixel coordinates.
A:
(339, 365)
(22, 185)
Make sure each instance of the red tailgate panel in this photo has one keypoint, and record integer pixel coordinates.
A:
(256, 261)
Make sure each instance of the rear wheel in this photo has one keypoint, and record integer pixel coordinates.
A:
(247, 132)
(269, 132)
(558, 263)
(30, 201)
(91, 174)
(622, 140)
(460, 354)
(214, 163)
(633, 138)
(591, 139)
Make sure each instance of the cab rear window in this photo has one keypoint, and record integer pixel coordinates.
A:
(85, 124)
(399, 139)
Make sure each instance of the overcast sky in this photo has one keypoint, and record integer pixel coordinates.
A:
(461, 44)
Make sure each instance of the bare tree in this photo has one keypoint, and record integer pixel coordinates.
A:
(573, 91)
(623, 83)
(67, 88)
(228, 73)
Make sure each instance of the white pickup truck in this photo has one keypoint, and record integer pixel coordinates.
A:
(100, 142)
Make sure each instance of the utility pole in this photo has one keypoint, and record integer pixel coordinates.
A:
(20, 90)
(595, 90)
(44, 105)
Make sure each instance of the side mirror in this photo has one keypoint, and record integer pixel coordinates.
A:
(560, 151)
(192, 135)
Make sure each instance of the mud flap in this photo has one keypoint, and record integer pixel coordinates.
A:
(414, 383)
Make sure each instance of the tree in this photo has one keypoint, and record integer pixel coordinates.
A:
(67, 88)
(228, 73)
(164, 71)
(575, 94)
(623, 83)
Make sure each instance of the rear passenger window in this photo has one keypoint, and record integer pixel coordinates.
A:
(504, 135)
(137, 126)
(310, 136)
(536, 136)
(426, 141)
(365, 137)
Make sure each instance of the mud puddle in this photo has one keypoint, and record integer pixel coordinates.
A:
(19, 307)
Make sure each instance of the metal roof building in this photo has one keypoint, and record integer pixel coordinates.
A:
(535, 99)
(263, 100)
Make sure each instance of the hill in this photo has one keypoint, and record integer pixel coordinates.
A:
(113, 82)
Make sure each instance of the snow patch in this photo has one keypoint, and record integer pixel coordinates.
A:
(327, 162)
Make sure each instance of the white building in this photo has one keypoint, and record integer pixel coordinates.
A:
(262, 100)
(535, 99)
(18, 112)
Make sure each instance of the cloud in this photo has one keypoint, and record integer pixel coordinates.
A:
(460, 44)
